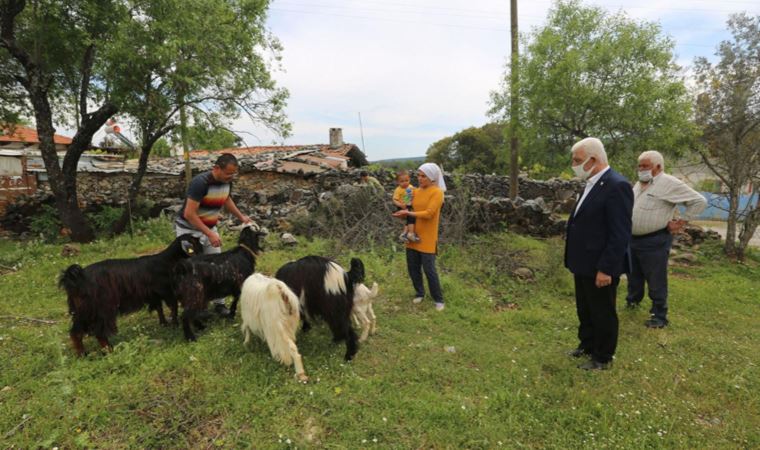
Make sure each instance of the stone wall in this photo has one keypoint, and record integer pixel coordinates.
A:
(270, 197)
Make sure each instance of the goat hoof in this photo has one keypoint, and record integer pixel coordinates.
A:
(302, 378)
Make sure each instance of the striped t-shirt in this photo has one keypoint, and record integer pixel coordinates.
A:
(211, 196)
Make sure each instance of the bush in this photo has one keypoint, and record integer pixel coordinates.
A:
(103, 219)
(46, 224)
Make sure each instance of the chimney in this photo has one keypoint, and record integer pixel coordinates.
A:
(336, 137)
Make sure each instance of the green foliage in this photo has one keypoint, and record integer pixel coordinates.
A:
(588, 72)
(728, 95)
(103, 219)
(209, 56)
(204, 137)
(481, 149)
(46, 224)
(161, 148)
(506, 380)
(708, 186)
(401, 163)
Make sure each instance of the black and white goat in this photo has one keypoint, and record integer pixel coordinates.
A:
(326, 290)
(270, 310)
(101, 291)
(206, 277)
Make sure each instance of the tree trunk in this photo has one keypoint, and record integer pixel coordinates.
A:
(149, 140)
(120, 225)
(749, 227)
(62, 181)
(733, 212)
(66, 203)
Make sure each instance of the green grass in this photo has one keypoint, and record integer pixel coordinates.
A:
(507, 383)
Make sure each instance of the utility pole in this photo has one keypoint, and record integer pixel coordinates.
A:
(514, 103)
(361, 130)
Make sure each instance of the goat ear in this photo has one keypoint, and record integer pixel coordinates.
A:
(187, 247)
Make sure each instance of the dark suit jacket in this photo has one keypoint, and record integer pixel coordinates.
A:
(599, 233)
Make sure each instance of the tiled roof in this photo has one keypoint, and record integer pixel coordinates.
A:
(237, 151)
(29, 136)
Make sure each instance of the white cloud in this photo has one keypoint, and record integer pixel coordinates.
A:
(419, 70)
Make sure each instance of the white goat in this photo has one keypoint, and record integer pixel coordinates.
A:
(271, 310)
(362, 313)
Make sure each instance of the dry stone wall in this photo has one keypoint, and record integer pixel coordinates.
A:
(273, 197)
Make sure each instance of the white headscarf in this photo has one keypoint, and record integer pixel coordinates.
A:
(435, 174)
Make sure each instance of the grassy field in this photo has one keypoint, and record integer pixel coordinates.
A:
(490, 371)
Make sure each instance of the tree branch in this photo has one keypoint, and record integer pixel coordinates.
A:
(87, 62)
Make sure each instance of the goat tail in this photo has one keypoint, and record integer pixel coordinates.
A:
(72, 279)
(356, 274)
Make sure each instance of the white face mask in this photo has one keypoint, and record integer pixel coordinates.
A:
(580, 173)
(645, 176)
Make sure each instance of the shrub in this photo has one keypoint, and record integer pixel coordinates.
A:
(46, 224)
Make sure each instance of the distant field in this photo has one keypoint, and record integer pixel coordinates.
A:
(490, 371)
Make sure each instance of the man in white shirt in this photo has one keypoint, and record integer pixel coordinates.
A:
(656, 199)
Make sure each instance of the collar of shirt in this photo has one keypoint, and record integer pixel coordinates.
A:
(592, 181)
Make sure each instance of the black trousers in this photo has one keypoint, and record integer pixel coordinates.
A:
(598, 329)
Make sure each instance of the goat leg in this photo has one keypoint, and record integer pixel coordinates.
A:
(373, 320)
(188, 315)
(297, 362)
(352, 346)
(161, 317)
(76, 342)
(174, 307)
(104, 344)
(233, 306)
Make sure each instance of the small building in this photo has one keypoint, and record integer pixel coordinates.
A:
(15, 146)
(26, 139)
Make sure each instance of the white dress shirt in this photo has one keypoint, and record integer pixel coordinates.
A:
(654, 203)
(590, 185)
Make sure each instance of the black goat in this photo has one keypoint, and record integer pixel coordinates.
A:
(206, 277)
(101, 291)
(326, 290)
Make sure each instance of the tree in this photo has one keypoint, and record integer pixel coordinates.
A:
(202, 137)
(591, 73)
(473, 149)
(207, 56)
(51, 51)
(728, 113)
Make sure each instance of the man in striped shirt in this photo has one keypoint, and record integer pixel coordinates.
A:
(207, 194)
(657, 195)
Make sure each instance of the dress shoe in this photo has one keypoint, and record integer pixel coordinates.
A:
(221, 310)
(654, 322)
(578, 352)
(595, 365)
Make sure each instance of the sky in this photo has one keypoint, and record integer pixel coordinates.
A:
(420, 70)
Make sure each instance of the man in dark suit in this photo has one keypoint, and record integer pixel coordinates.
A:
(596, 251)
